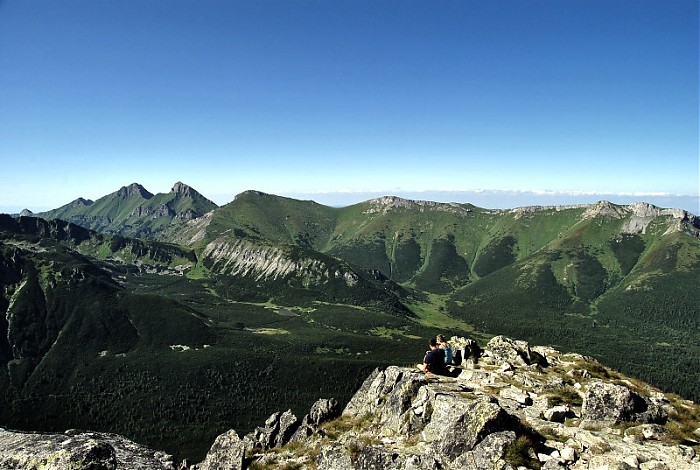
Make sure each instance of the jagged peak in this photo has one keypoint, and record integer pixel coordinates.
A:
(184, 190)
(134, 189)
(81, 202)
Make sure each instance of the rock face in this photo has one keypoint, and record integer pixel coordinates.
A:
(509, 407)
(244, 258)
(77, 451)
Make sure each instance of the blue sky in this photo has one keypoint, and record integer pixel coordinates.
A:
(498, 103)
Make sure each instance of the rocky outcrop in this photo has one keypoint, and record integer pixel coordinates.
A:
(640, 215)
(146, 211)
(277, 431)
(321, 411)
(77, 450)
(227, 452)
(511, 407)
(385, 204)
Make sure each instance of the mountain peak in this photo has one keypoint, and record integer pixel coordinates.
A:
(80, 202)
(250, 192)
(182, 188)
(134, 189)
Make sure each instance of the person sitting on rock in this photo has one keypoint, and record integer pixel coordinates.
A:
(443, 344)
(434, 360)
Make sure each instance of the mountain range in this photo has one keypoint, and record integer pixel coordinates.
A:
(133, 293)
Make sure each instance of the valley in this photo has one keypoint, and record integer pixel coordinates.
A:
(194, 319)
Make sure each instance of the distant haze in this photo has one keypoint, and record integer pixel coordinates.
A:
(487, 199)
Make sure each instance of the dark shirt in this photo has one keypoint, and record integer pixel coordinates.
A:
(435, 360)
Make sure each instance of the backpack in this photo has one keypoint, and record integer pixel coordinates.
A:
(448, 355)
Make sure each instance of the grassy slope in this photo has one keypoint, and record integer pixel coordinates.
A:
(273, 218)
(115, 359)
(548, 277)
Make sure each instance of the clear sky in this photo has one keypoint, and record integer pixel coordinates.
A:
(337, 101)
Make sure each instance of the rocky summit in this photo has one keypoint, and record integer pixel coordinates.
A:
(508, 406)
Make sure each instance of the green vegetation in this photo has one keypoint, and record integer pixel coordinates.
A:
(520, 453)
(166, 343)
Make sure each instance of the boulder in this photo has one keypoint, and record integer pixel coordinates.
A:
(557, 413)
(465, 348)
(457, 425)
(227, 452)
(334, 457)
(388, 393)
(505, 350)
(376, 457)
(488, 453)
(610, 402)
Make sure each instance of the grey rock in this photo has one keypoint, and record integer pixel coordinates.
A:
(557, 413)
(502, 350)
(609, 402)
(653, 431)
(488, 453)
(77, 450)
(321, 411)
(334, 457)
(457, 424)
(278, 430)
(517, 395)
(226, 453)
(374, 457)
(388, 393)
(553, 464)
(568, 454)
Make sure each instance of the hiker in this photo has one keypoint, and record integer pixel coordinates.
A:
(434, 360)
(447, 347)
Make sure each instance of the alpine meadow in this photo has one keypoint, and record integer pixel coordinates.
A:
(169, 319)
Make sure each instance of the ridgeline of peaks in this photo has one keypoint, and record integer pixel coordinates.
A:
(131, 306)
(134, 211)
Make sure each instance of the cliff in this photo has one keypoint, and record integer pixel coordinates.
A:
(509, 407)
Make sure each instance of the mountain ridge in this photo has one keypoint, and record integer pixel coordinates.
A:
(346, 289)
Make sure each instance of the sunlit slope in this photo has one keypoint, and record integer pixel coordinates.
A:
(630, 299)
(117, 339)
(133, 211)
(257, 215)
(441, 247)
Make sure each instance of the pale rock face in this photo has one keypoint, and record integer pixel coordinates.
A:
(244, 258)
